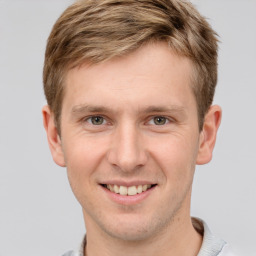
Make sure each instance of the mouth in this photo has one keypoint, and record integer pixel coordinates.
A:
(128, 191)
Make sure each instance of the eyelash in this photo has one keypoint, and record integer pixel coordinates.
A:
(89, 120)
(151, 120)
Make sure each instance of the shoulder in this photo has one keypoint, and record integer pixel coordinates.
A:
(79, 251)
(72, 253)
(226, 251)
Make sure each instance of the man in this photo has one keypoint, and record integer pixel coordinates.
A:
(129, 86)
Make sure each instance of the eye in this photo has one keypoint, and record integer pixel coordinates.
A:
(96, 120)
(158, 120)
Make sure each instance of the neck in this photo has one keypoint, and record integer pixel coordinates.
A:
(178, 239)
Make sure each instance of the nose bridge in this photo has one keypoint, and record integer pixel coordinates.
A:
(127, 150)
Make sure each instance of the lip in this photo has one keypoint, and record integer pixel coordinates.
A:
(127, 183)
(128, 200)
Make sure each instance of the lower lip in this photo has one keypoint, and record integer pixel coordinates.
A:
(128, 200)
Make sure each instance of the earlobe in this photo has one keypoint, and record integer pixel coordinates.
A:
(54, 140)
(208, 134)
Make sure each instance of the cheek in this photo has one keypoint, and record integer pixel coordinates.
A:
(176, 156)
(83, 157)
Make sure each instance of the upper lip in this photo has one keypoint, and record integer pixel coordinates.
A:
(127, 183)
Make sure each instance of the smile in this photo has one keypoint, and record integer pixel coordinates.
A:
(128, 191)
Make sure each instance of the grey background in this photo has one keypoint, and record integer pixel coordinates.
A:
(38, 212)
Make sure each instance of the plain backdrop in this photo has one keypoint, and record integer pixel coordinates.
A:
(38, 212)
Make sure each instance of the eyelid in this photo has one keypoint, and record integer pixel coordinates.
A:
(86, 119)
(168, 119)
(90, 118)
(107, 120)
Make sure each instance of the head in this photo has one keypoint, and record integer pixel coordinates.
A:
(129, 86)
(96, 31)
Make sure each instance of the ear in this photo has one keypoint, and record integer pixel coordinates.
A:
(208, 134)
(53, 137)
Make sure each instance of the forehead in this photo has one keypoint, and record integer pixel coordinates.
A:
(152, 73)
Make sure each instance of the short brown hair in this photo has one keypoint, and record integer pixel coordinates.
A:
(93, 31)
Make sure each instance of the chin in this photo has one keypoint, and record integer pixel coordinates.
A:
(134, 229)
(131, 234)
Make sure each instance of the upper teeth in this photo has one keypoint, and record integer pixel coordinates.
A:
(130, 191)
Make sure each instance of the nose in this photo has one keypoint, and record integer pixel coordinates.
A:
(127, 151)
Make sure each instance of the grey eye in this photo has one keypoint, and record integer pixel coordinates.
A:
(97, 120)
(160, 120)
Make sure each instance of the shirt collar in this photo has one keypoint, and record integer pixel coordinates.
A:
(211, 245)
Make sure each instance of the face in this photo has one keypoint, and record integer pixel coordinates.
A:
(130, 141)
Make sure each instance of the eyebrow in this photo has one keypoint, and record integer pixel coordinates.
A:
(89, 108)
(159, 109)
(84, 108)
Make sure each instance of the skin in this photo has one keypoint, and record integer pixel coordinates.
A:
(131, 147)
